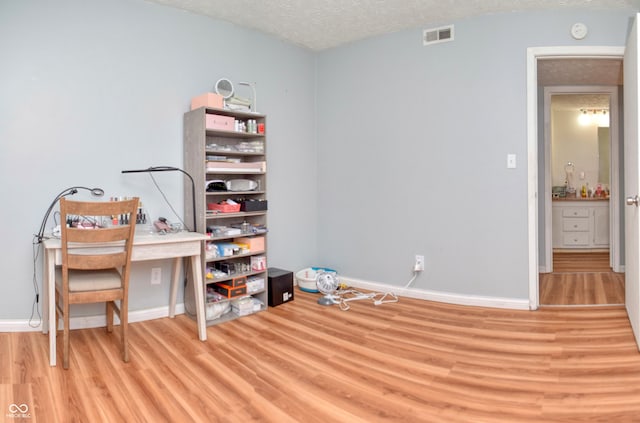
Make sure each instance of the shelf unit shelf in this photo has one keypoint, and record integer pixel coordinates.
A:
(239, 173)
(223, 215)
(234, 153)
(252, 253)
(235, 193)
(233, 134)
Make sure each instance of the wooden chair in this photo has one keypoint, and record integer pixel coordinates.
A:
(96, 263)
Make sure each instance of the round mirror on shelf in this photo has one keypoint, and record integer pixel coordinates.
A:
(224, 87)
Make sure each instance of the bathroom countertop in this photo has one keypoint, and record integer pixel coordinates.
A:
(581, 199)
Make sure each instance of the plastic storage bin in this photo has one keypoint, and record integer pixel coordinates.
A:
(306, 278)
(216, 305)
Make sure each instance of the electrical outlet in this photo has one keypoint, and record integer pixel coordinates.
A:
(419, 266)
(156, 275)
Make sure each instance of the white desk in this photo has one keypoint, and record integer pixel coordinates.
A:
(145, 247)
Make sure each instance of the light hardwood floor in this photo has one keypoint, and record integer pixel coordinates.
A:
(412, 361)
(581, 279)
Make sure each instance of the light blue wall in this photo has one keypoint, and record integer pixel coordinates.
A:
(412, 148)
(378, 150)
(91, 87)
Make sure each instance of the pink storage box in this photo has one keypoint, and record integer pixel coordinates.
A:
(256, 244)
(207, 100)
(221, 123)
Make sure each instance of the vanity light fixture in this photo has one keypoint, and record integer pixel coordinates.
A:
(598, 117)
(584, 118)
(603, 119)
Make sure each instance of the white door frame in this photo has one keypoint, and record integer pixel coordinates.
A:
(614, 173)
(533, 54)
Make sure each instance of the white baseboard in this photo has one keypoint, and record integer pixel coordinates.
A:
(85, 322)
(443, 297)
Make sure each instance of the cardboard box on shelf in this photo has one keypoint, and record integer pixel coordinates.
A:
(229, 291)
(207, 100)
(255, 244)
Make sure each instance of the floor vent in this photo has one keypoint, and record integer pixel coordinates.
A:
(437, 35)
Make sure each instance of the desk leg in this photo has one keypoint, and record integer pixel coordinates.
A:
(175, 282)
(196, 268)
(49, 322)
(45, 292)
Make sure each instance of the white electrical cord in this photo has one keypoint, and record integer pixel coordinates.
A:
(343, 296)
(357, 296)
(384, 300)
(415, 275)
(394, 297)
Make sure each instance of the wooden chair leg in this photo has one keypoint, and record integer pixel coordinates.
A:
(65, 337)
(124, 323)
(109, 312)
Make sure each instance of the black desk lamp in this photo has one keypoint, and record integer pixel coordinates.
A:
(96, 192)
(171, 169)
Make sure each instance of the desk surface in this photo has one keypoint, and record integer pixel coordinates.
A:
(144, 239)
(145, 246)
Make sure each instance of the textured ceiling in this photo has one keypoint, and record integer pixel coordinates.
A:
(580, 72)
(322, 24)
(579, 101)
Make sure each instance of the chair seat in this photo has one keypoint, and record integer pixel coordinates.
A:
(90, 280)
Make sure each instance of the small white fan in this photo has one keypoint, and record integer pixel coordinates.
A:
(327, 284)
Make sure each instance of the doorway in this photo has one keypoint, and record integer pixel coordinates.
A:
(580, 168)
(538, 188)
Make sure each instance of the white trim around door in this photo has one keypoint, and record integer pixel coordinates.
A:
(533, 54)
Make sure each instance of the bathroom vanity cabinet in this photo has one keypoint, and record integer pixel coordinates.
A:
(580, 223)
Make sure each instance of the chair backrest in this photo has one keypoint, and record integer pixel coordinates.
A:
(88, 247)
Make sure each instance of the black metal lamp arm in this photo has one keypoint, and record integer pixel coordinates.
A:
(172, 169)
(96, 192)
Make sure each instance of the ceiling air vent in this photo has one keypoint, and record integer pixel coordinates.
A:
(437, 35)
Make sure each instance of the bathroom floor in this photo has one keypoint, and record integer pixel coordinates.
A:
(581, 279)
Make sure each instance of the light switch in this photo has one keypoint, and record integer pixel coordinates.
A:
(511, 161)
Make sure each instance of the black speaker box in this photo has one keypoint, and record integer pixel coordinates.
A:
(280, 286)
